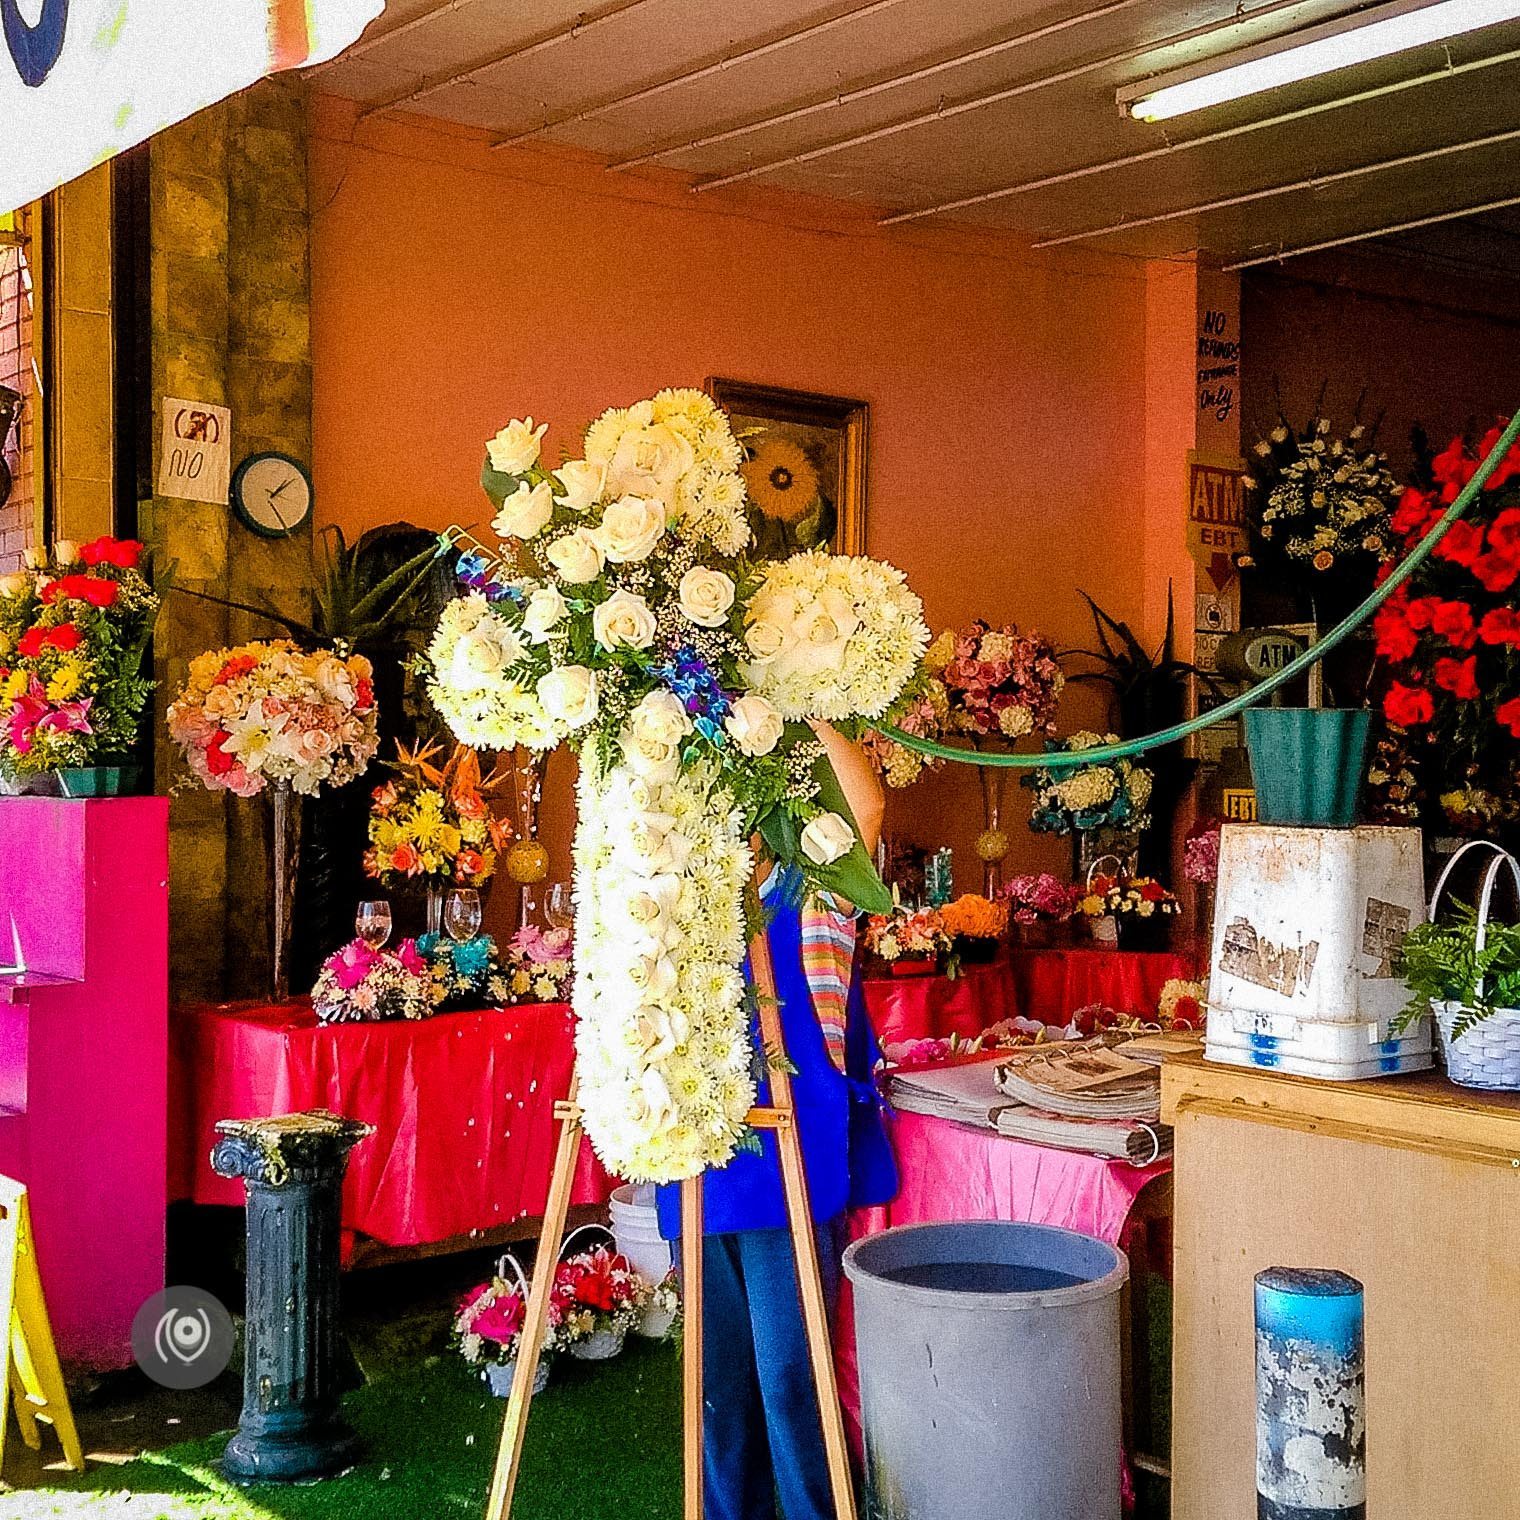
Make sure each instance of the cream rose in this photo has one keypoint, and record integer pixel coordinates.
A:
(482, 654)
(706, 596)
(33, 559)
(754, 725)
(765, 641)
(577, 556)
(582, 482)
(515, 448)
(13, 584)
(660, 716)
(545, 610)
(650, 461)
(334, 680)
(65, 551)
(526, 512)
(630, 528)
(623, 621)
(569, 695)
(826, 839)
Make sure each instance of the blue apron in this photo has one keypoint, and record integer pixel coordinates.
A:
(845, 1150)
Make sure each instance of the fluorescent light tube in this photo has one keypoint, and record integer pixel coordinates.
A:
(1317, 50)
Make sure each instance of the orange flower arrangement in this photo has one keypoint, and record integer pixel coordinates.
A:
(974, 917)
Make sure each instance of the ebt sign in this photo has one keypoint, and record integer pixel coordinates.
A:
(80, 80)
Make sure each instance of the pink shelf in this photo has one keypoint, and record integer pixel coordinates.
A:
(84, 918)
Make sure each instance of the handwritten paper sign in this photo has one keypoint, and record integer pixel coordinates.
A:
(196, 451)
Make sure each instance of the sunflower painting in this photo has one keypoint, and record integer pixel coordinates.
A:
(804, 467)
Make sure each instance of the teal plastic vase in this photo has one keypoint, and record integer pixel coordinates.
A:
(1307, 763)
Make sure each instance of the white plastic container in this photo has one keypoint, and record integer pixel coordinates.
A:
(636, 1228)
(1301, 975)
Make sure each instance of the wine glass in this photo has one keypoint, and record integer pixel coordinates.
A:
(372, 923)
(461, 914)
(559, 906)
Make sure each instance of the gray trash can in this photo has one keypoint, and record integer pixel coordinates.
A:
(989, 1372)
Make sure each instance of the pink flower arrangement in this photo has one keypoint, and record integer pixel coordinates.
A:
(1033, 898)
(922, 712)
(1200, 854)
(358, 984)
(489, 1321)
(998, 682)
(538, 965)
(270, 712)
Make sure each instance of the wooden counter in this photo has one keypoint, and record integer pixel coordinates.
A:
(1411, 1185)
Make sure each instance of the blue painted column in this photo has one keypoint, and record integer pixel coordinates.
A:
(1311, 1431)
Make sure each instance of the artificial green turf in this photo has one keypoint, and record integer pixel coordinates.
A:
(604, 1438)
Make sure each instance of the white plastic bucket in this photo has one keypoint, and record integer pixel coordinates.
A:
(636, 1228)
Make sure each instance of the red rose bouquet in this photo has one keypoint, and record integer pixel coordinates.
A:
(1449, 639)
(602, 1298)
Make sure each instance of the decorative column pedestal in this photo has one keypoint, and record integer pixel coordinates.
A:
(292, 1169)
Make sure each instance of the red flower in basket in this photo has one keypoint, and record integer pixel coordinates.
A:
(1453, 621)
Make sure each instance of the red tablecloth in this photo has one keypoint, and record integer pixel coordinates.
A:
(951, 1172)
(1049, 985)
(462, 1105)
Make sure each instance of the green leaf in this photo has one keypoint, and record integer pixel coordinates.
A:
(853, 876)
(497, 484)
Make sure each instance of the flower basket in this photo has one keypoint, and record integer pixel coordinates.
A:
(1481, 1046)
(1307, 763)
(498, 1376)
(96, 780)
(599, 1346)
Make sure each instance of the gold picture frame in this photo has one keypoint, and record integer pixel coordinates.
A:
(804, 443)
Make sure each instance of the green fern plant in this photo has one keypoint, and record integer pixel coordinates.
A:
(1441, 963)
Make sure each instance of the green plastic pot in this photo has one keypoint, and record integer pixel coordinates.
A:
(1307, 763)
(95, 780)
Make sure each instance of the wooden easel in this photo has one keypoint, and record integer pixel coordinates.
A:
(31, 1376)
(780, 1118)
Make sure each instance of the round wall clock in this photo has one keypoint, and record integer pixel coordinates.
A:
(271, 494)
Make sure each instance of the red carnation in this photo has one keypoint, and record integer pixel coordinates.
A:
(1414, 513)
(1508, 716)
(1459, 677)
(1453, 467)
(1421, 612)
(124, 553)
(1504, 531)
(30, 644)
(238, 665)
(218, 761)
(65, 637)
(1497, 571)
(1501, 625)
(1453, 621)
(1408, 705)
(1509, 465)
(1396, 640)
(1462, 544)
(364, 694)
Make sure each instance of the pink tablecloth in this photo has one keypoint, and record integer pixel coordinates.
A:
(462, 1106)
(951, 1172)
(1034, 984)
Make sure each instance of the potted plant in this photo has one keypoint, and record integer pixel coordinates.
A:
(73, 628)
(1466, 971)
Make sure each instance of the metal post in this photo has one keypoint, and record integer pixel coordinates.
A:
(1311, 1431)
(292, 1170)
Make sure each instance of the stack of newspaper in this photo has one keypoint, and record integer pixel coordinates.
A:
(1073, 1098)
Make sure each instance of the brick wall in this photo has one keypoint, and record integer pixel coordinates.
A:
(18, 513)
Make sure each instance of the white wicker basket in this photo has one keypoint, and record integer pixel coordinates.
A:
(1487, 1054)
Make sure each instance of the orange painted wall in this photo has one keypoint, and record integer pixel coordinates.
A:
(454, 288)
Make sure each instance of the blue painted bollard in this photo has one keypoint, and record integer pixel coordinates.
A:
(1311, 1429)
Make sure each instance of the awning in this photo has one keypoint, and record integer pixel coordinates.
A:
(80, 80)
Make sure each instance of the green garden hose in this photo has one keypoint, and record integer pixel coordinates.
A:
(1063, 759)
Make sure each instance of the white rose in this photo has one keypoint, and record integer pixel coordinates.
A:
(630, 529)
(765, 641)
(545, 610)
(660, 716)
(33, 559)
(661, 847)
(650, 461)
(482, 654)
(754, 725)
(569, 695)
(654, 976)
(577, 556)
(515, 448)
(656, 760)
(623, 621)
(13, 584)
(581, 482)
(826, 839)
(526, 512)
(651, 910)
(706, 596)
(65, 551)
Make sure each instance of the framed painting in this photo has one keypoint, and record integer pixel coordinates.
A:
(804, 467)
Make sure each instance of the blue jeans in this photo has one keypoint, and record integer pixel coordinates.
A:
(762, 1438)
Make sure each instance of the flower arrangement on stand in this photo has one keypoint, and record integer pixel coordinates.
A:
(1000, 685)
(358, 984)
(1092, 801)
(619, 617)
(73, 629)
(1038, 904)
(1319, 508)
(270, 716)
(1138, 906)
(432, 825)
(1200, 865)
(1449, 643)
(539, 965)
(462, 973)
